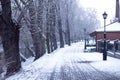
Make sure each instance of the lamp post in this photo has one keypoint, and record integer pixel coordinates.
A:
(104, 51)
(85, 38)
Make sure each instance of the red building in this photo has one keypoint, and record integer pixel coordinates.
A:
(112, 32)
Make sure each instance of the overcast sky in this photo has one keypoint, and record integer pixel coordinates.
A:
(101, 6)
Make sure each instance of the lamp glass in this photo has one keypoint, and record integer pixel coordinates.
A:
(104, 15)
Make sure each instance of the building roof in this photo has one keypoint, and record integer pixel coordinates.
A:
(115, 27)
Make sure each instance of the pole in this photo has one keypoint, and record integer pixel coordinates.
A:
(85, 38)
(104, 51)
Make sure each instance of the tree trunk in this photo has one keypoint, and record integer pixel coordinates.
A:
(10, 39)
(51, 19)
(68, 32)
(51, 43)
(59, 23)
(40, 23)
(35, 32)
(54, 25)
(68, 27)
(48, 41)
(54, 41)
(60, 34)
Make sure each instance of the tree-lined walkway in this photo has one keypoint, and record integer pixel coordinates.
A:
(76, 67)
(69, 63)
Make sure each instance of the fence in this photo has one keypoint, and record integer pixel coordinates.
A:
(110, 45)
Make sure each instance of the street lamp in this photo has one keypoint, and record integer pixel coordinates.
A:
(85, 38)
(104, 51)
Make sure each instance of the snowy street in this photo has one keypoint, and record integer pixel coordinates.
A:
(70, 63)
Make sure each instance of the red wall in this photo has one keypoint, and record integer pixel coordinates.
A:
(109, 35)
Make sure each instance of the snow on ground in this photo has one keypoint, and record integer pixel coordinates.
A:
(43, 68)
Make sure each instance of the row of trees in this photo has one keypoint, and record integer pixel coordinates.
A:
(40, 24)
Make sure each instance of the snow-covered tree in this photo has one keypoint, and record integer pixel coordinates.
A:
(10, 38)
(43, 23)
(40, 22)
(59, 23)
(36, 32)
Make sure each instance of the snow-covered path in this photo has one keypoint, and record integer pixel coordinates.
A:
(70, 63)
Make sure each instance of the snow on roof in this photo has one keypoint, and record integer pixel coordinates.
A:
(111, 27)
